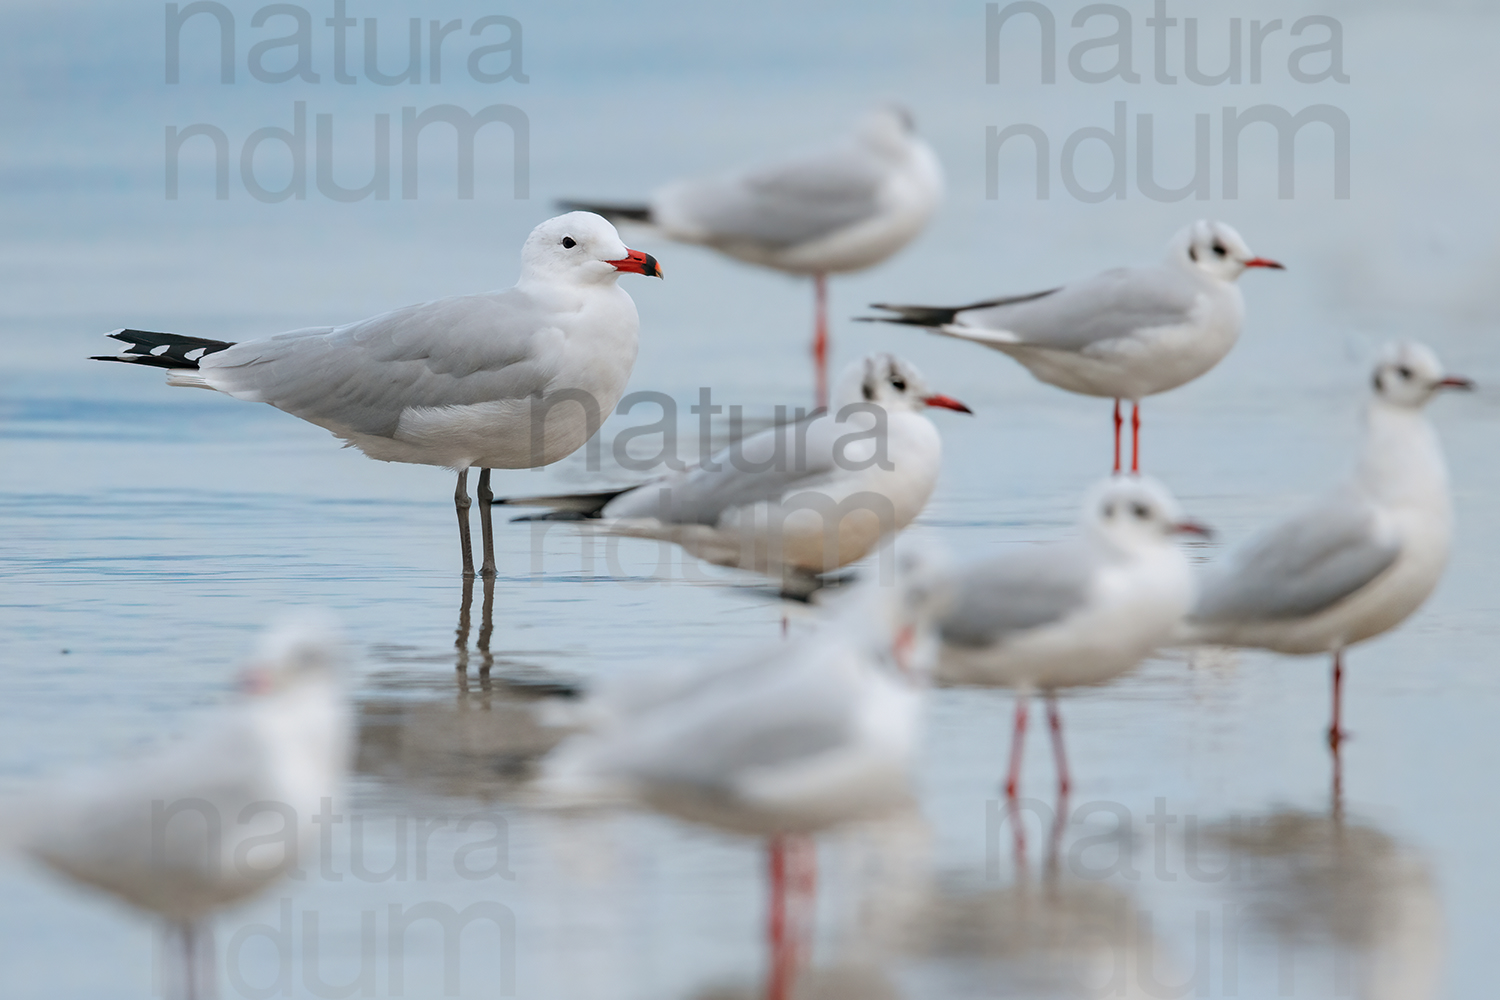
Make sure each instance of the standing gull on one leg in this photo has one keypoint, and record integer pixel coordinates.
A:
(1126, 333)
(840, 207)
(502, 380)
(1360, 560)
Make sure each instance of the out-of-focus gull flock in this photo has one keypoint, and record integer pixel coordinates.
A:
(820, 726)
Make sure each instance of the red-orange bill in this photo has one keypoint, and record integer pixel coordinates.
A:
(636, 262)
(947, 403)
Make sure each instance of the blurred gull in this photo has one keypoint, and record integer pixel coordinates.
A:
(795, 738)
(796, 500)
(217, 817)
(1125, 333)
(501, 380)
(1360, 560)
(844, 206)
(1070, 613)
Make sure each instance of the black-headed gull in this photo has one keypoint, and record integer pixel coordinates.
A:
(796, 738)
(1360, 560)
(1074, 612)
(796, 500)
(502, 380)
(1125, 333)
(844, 206)
(217, 817)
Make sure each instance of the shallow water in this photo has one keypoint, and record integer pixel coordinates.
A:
(146, 533)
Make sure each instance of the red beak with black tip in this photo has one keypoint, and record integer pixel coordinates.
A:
(1192, 528)
(636, 262)
(1456, 382)
(1264, 262)
(947, 403)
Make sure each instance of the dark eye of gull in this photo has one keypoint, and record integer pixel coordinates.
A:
(569, 243)
(898, 383)
(1140, 510)
(1219, 250)
(1404, 372)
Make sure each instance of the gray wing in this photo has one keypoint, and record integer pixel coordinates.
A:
(1108, 306)
(1023, 590)
(1301, 566)
(99, 827)
(360, 377)
(785, 203)
(764, 466)
(758, 715)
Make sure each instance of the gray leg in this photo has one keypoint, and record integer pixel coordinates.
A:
(461, 634)
(461, 503)
(190, 982)
(486, 525)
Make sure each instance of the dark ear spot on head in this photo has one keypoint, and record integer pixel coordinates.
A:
(869, 391)
(1379, 383)
(1193, 254)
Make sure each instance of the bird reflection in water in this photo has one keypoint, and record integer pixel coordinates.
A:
(1310, 879)
(461, 639)
(478, 742)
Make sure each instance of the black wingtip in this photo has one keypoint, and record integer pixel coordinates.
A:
(163, 350)
(614, 213)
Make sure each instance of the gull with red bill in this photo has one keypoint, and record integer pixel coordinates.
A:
(1125, 333)
(514, 379)
(797, 500)
(1071, 613)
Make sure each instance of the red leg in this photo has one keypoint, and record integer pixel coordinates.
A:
(778, 984)
(793, 866)
(1054, 722)
(1017, 833)
(820, 336)
(1118, 424)
(1135, 437)
(1017, 746)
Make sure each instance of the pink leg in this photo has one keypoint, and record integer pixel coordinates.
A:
(1017, 746)
(778, 984)
(1054, 723)
(1017, 833)
(820, 337)
(1135, 437)
(793, 862)
(1118, 424)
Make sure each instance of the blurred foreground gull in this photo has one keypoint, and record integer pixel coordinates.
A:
(798, 737)
(217, 817)
(1125, 333)
(1070, 613)
(796, 500)
(844, 206)
(501, 380)
(1361, 559)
